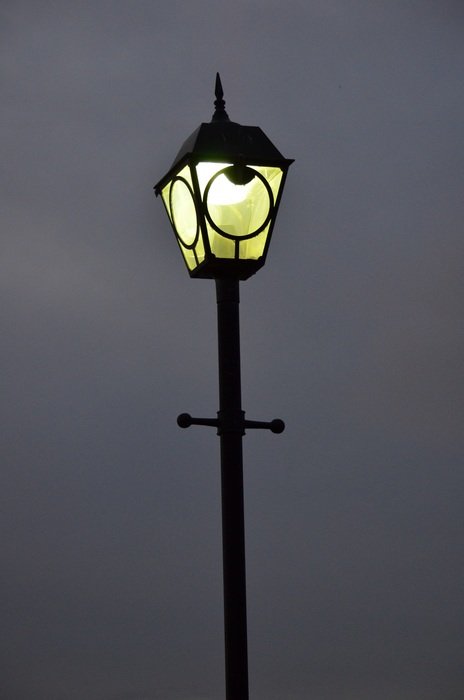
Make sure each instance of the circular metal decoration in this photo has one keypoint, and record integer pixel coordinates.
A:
(184, 212)
(248, 174)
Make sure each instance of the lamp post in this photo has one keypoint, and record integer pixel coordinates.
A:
(221, 195)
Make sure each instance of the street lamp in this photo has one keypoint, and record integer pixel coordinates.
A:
(221, 195)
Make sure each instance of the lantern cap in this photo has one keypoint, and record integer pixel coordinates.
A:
(222, 140)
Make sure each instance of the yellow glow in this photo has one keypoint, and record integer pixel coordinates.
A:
(222, 191)
(181, 209)
(183, 212)
(243, 216)
(205, 172)
(237, 210)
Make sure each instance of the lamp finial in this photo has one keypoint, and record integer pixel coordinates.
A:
(220, 113)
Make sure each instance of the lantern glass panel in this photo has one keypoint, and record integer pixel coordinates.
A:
(239, 206)
(179, 201)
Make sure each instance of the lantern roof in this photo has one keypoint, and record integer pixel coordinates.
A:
(228, 140)
(222, 140)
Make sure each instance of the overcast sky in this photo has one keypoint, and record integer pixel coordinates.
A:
(353, 333)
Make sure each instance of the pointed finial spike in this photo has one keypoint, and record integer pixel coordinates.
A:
(220, 113)
(219, 92)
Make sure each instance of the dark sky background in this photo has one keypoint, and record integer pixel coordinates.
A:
(111, 584)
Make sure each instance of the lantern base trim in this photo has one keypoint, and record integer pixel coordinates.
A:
(221, 268)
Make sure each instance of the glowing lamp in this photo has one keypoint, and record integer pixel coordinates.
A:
(222, 194)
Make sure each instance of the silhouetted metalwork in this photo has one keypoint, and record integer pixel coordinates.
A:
(243, 155)
(219, 103)
(217, 151)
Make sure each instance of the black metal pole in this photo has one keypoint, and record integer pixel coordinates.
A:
(231, 430)
(231, 425)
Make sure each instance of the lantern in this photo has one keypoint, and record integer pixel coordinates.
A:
(222, 195)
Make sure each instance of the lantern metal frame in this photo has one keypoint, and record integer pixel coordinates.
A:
(239, 148)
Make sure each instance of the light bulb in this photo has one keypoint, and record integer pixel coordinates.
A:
(230, 187)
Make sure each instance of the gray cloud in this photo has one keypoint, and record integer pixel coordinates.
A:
(352, 333)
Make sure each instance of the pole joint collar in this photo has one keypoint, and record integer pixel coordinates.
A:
(231, 422)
